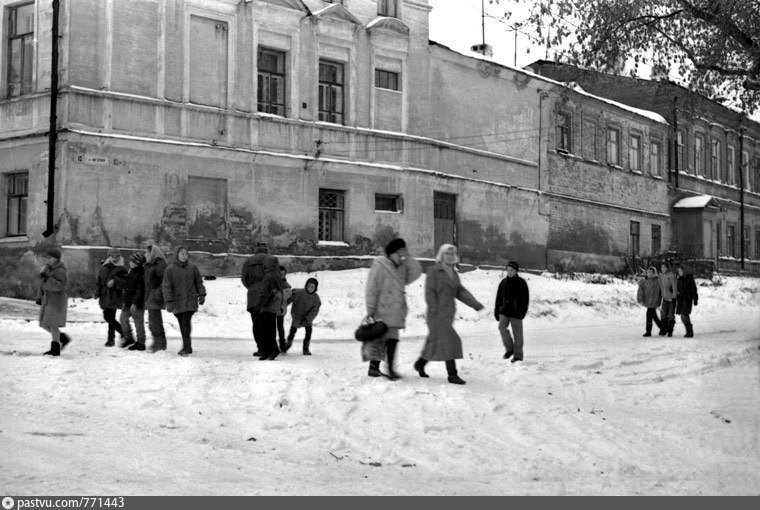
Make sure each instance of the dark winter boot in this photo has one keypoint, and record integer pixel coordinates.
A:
(187, 347)
(65, 340)
(137, 346)
(649, 329)
(391, 349)
(374, 369)
(451, 368)
(126, 342)
(273, 354)
(689, 331)
(159, 344)
(671, 325)
(110, 343)
(307, 342)
(55, 349)
(508, 354)
(419, 366)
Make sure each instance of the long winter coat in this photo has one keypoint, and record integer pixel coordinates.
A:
(687, 293)
(385, 294)
(155, 266)
(512, 298)
(441, 292)
(55, 302)
(134, 287)
(668, 286)
(649, 294)
(270, 289)
(253, 277)
(305, 306)
(182, 286)
(111, 297)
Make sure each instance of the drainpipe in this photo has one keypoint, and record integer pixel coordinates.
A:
(53, 135)
(741, 194)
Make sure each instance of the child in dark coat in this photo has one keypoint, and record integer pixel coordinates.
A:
(53, 301)
(650, 296)
(134, 297)
(687, 294)
(183, 291)
(306, 305)
(108, 291)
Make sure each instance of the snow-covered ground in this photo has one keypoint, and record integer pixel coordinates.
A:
(594, 408)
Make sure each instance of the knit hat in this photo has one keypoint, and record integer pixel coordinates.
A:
(261, 248)
(54, 252)
(138, 258)
(394, 246)
(514, 265)
(652, 268)
(114, 252)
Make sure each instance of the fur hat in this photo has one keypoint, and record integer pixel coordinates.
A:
(514, 265)
(394, 246)
(261, 248)
(54, 252)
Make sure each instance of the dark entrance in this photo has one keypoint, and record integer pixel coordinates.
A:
(444, 218)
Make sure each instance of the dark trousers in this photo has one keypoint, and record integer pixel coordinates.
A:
(451, 365)
(109, 314)
(185, 328)
(652, 317)
(265, 331)
(281, 328)
(307, 329)
(156, 326)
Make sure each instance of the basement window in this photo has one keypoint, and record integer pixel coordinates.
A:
(389, 203)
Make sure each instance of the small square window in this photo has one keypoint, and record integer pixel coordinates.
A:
(386, 80)
(388, 203)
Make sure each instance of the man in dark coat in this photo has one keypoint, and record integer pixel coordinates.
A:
(134, 297)
(512, 301)
(155, 265)
(183, 292)
(109, 289)
(266, 308)
(687, 294)
(252, 278)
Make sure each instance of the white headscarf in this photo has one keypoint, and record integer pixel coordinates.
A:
(443, 249)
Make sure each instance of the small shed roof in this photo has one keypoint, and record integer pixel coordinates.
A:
(698, 202)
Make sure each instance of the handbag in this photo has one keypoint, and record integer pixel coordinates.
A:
(372, 331)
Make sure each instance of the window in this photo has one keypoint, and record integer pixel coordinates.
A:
(719, 237)
(18, 194)
(613, 146)
(731, 240)
(271, 84)
(331, 91)
(757, 244)
(680, 152)
(699, 155)
(564, 125)
(656, 155)
(206, 208)
(730, 162)
(656, 239)
(390, 203)
(635, 237)
(634, 152)
(717, 170)
(386, 80)
(20, 49)
(332, 204)
(387, 8)
(742, 175)
(747, 244)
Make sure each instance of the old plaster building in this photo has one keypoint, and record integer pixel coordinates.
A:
(321, 128)
(713, 172)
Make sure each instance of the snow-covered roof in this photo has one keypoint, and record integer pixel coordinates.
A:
(571, 85)
(698, 202)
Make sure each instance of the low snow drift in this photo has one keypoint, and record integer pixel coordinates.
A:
(594, 408)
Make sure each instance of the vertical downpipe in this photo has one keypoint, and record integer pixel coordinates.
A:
(741, 194)
(53, 135)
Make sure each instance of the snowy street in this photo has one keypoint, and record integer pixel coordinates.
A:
(594, 408)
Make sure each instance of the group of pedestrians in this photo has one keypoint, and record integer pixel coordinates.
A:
(385, 299)
(673, 294)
